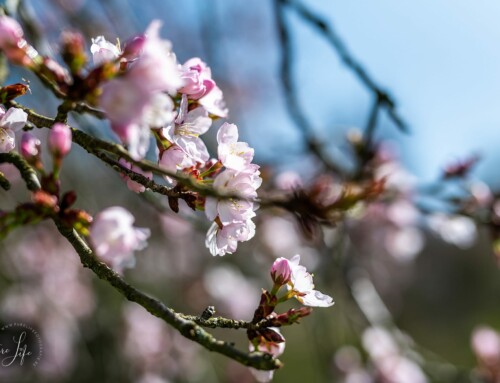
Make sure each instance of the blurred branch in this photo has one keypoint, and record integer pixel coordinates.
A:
(290, 93)
(4, 182)
(329, 33)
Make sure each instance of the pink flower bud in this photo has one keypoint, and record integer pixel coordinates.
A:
(30, 146)
(11, 33)
(60, 139)
(133, 47)
(281, 271)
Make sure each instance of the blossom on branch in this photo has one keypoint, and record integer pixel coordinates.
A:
(13, 44)
(134, 101)
(271, 347)
(10, 122)
(114, 239)
(131, 184)
(197, 78)
(301, 285)
(233, 154)
(186, 130)
(103, 51)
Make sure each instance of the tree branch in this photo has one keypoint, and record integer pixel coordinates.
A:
(329, 33)
(187, 328)
(186, 325)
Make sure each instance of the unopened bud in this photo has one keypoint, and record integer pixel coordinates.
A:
(281, 271)
(11, 33)
(133, 47)
(60, 140)
(10, 92)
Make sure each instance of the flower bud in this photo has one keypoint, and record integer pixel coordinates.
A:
(281, 271)
(10, 92)
(133, 47)
(12, 43)
(30, 146)
(60, 140)
(11, 33)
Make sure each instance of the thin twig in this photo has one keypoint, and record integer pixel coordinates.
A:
(329, 33)
(290, 94)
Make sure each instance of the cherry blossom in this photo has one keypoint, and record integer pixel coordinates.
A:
(114, 238)
(214, 103)
(173, 159)
(156, 69)
(13, 44)
(134, 101)
(10, 122)
(301, 286)
(275, 349)
(197, 78)
(233, 154)
(243, 185)
(103, 51)
(30, 146)
(186, 130)
(131, 184)
(222, 241)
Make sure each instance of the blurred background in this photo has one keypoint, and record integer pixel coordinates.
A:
(410, 283)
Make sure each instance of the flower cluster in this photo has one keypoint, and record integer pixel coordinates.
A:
(152, 95)
(115, 239)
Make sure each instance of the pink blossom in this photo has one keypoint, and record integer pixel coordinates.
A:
(159, 111)
(275, 349)
(156, 68)
(213, 102)
(197, 78)
(302, 286)
(11, 33)
(122, 101)
(281, 271)
(103, 51)
(115, 239)
(13, 44)
(30, 145)
(186, 131)
(242, 184)
(131, 184)
(132, 113)
(173, 159)
(10, 122)
(233, 154)
(486, 345)
(222, 241)
(133, 47)
(60, 140)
